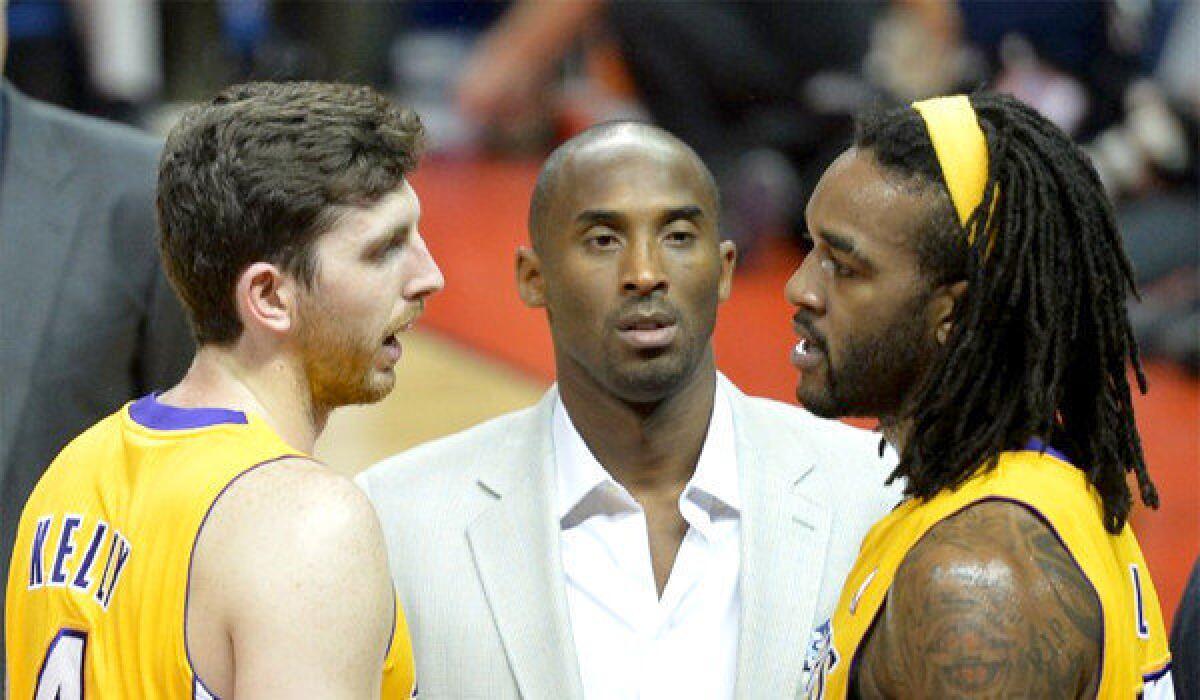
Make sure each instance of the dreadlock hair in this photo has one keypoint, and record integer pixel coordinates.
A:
(1041, 336)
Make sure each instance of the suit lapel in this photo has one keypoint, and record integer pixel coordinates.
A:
(785, 533)
(515, 544)
(36, 208)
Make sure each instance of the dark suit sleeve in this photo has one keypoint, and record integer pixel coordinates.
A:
(1185, 639)
(165, 346)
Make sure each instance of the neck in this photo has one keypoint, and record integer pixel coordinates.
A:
(895, 431)
(646, 447)
(267, 384)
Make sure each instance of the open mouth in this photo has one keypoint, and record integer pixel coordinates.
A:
(807, 353)
(643, 332)
(391, 342)
(392, 348)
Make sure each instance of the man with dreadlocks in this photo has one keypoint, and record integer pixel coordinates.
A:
(967, 287)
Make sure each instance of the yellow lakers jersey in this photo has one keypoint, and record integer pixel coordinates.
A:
(97, 592)
(1136, 659)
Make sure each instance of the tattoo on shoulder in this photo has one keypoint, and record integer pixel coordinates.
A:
(991, 604)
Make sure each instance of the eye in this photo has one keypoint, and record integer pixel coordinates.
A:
(383, 252)
(835, 268)
(385, 248)
(601, 241)
(680, 237)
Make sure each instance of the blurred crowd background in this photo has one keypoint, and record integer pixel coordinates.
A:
(763, 91)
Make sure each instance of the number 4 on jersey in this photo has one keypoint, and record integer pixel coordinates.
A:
(61, 677)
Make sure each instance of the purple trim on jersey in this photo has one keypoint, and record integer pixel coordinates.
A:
(396, 612)
(187, 594)
(149, 412)
(1154, 676)
(207, 691)
(1036, 445)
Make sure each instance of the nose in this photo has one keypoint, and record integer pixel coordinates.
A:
(426, 276)
(803, 289)
(642, 271)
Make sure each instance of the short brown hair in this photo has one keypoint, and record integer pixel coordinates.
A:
(262, 170)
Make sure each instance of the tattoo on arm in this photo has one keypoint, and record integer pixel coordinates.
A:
(988, 604)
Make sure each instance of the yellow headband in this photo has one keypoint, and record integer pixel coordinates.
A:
(960, 147)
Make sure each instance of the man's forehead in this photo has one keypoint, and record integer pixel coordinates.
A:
(860, 197)
(622, 170)
(398, 208)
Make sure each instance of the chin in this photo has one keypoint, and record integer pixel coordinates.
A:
(378, 389)
(818, 402)
(372, 389)
(649, 381)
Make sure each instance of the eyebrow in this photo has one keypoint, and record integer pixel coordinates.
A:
(401, 233)
(843, 244)
(597, 216)
(689, 212)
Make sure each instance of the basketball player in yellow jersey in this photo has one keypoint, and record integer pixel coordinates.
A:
(967, 287)
(187, 546)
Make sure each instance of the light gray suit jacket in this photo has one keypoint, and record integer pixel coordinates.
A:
(87, 320)
(474, 548)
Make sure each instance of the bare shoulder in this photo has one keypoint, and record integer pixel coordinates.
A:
(299, 483)
(302, 509)
(291, 557)
(991, 603)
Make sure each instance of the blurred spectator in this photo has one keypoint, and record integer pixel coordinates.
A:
(1120, 78)
(426, 59)
(762, 91)
(917, 51)
(101, 57)
(44, 53)
(88, 321)
(504, 85)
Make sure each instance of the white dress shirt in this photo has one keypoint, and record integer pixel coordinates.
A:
(629, 642)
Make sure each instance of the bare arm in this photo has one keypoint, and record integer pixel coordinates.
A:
(988, 604)
(293, 571)
(514, 59)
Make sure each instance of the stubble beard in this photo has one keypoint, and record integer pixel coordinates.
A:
(652, 378)
(875, 372)
(339, 371)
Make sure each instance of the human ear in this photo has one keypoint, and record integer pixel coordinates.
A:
(266, 298)
(943, 308)
(530, 284)
(728, 264)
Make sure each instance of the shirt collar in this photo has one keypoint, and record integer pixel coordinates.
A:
(585, 488)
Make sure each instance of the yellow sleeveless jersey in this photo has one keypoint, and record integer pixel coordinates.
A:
(97, 592)
(1135, 656)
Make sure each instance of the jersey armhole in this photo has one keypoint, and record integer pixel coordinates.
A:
(1062, 543)
(387, 650)
(851, 679)
(200, 691)
(852, 672)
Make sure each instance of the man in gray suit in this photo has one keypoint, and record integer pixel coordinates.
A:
(645, 530)
(87, 320)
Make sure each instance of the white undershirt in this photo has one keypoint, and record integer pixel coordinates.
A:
(631, 644)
